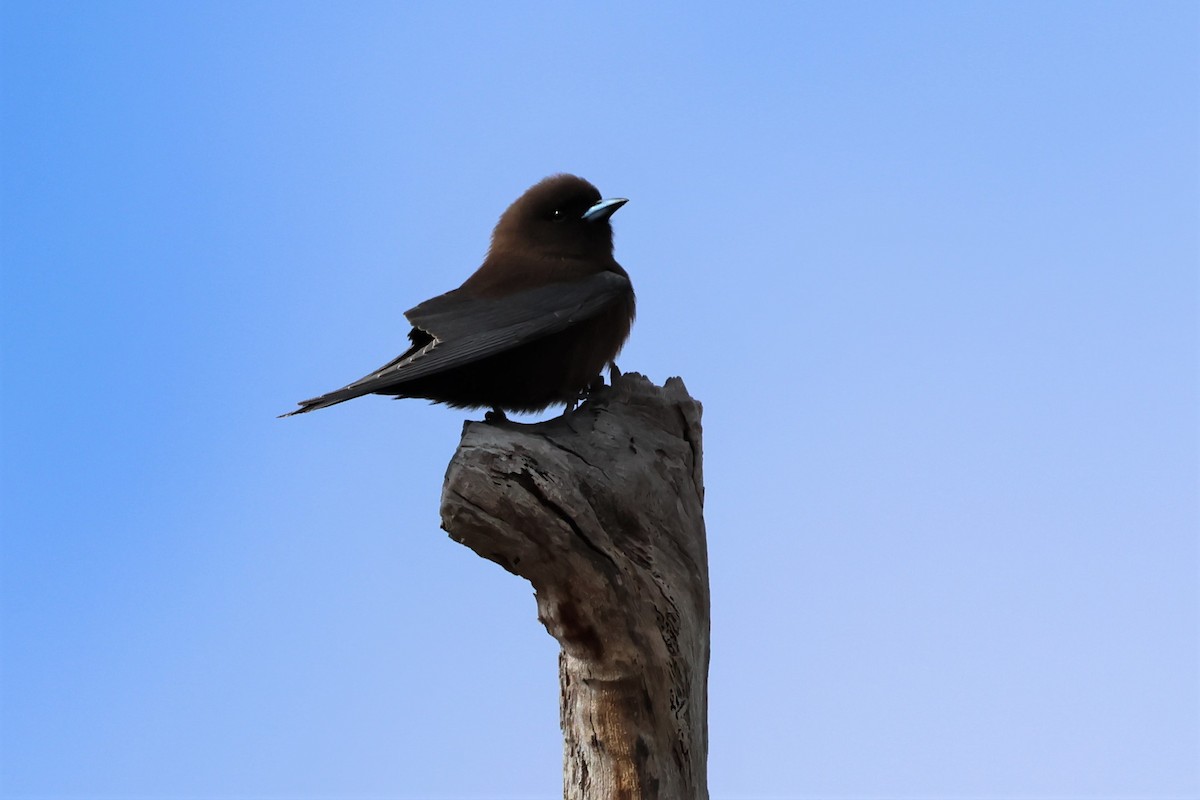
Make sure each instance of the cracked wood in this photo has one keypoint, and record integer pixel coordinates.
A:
(602, 511)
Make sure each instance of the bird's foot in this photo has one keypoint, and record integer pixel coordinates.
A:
(614, 372)
(591, 390)
(572, 404)
(496, 415)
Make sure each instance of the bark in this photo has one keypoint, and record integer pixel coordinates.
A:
(602, 511)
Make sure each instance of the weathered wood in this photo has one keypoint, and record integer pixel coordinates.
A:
(602, 511)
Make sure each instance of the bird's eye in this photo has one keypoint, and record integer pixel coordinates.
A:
(557, 215)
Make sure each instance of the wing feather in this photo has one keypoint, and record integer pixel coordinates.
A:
(469, 329)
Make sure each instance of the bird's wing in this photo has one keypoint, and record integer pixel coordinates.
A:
(468, 329)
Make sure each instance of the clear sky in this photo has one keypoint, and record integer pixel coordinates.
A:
(931, 268)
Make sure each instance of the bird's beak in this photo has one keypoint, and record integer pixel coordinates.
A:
(604, 209)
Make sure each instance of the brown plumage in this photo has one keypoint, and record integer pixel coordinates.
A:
(532, 327)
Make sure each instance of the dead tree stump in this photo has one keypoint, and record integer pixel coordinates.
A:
(602, 511)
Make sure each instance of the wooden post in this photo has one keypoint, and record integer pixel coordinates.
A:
(602, 511)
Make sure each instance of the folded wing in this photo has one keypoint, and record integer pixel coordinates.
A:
(461, 330)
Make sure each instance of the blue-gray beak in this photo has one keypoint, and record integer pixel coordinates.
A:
(604, 209)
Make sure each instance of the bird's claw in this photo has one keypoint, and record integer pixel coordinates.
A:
(496, 415)
(592, 389)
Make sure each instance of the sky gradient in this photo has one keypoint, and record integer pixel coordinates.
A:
(931, 269)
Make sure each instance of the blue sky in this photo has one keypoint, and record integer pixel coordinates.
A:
(931, 268)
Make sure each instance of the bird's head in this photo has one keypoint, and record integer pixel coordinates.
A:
(561, 217)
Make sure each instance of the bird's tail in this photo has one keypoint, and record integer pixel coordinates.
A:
(382, 378)
(332, 399)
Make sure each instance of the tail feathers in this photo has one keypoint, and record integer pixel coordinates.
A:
(326, 400)
(380, 380)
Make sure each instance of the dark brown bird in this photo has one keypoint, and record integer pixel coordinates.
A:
(532, 327)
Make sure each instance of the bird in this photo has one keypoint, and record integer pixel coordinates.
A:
(532, 327)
